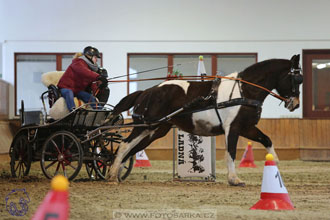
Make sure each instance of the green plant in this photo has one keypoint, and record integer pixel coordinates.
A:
(175, 73)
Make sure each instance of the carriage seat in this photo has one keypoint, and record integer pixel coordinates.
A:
(59, 109)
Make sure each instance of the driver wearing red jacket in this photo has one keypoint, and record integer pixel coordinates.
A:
(80, 75)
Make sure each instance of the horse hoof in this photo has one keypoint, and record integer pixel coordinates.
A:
(113, 183)
(241, 184)
(237, 184)
(113, 180)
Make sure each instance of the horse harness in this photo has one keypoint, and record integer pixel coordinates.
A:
(212, 99)
(296, 80)
(202, 103)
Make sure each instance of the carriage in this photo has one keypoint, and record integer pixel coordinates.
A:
(63, 146)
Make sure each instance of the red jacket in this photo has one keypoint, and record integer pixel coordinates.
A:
(77, 76)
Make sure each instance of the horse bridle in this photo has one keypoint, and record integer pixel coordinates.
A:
(296, 80)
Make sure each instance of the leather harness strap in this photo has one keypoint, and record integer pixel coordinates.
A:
(214, 94)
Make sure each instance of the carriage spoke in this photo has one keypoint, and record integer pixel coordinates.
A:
(64, 170)
(100, 165)
(57, 168)
(51, 164)
(26, 163)
(49, 154)
(70, 145)
(17, 167)
(63, 141)
(20, 146)
(74, 155)
(73, 167)
(23, 169)
(54, 143)
(19, 170)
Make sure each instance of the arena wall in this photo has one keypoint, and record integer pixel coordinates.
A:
(292, 138)
(275, 29)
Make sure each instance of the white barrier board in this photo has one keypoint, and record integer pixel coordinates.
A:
(194, 155)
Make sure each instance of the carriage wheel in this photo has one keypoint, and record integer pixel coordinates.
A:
(105, 161)
(21, 156)
(61, 154)
(125, 169)
(90, 168)
(94, 171)
(91, 171)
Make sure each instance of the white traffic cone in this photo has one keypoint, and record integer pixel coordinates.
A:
(274, 195)
(201, 67)
(141, 159)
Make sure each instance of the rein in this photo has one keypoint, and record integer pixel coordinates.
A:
(149, 70)
(206, 78)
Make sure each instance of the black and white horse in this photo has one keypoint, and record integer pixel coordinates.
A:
(195, 98)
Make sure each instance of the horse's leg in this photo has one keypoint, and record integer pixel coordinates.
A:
(137, 135)
(139, 139)
(230, 155)
(253, 133)
(155, 134)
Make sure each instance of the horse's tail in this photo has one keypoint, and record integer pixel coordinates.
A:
(126, 103)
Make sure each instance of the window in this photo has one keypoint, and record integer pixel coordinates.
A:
(28, 70)
(188, 64)
(159, 65)
(233, 63)
(140, 63)
(316, 90)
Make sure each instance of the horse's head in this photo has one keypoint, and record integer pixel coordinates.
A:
(289, 82)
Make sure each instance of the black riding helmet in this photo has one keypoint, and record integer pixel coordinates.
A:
(91, 51)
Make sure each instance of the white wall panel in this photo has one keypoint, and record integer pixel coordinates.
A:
(273, 29)
(164, 20)
(115, 59)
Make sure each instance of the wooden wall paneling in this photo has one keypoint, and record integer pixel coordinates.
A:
(4, 99)
(305, 139)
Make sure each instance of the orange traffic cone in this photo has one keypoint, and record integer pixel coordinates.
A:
(56, 203)
(248, 159)
(274, 195)
(141, 159)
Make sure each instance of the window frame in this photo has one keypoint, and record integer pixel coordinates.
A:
(58, 67)
(308, 56)
(170, 57)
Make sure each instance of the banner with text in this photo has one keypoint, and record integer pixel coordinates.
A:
(193, 155)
